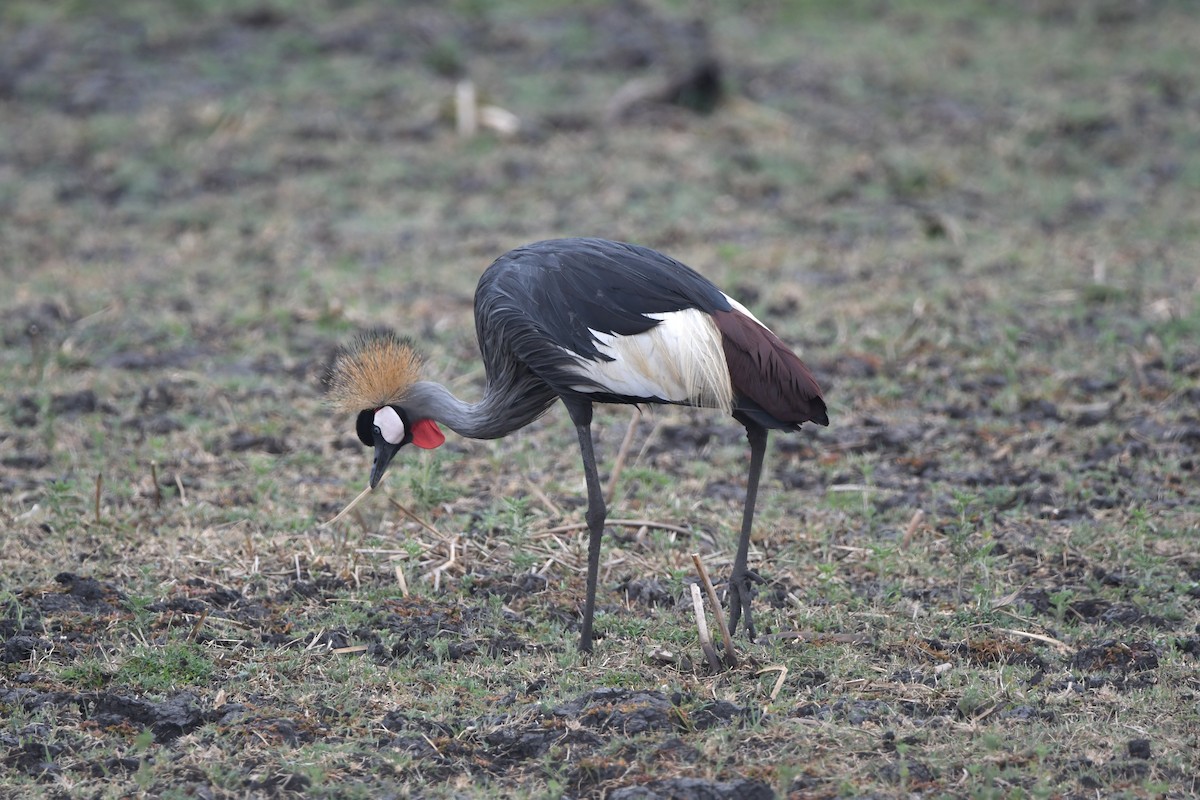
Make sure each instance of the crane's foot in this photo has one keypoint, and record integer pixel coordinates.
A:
(741, 593)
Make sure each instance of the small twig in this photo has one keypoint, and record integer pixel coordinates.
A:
(1008, 599)
(1037, 637)
(914, 525)
(354, 648)
(865, 488)
(813, 636)
(617, 523)
(730, 654)
(1139, 372)
(182, 495)
(619, 464)
(466, 109)
(249, 543)
(987, 712)
(544, 499)
(157, 488)
(650, 439)
(96, 499)
(702, 628)
(417, 519)
(783, 671)
(437, 571)
(400, 579)
(195, 631)
(349, 507)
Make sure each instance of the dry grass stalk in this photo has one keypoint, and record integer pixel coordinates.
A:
(710, 652)
(610, 491)
(730, 654)
(400, 579)
(914, 525)
(813, 636)
(544, 499)
(1037, 637)
(195, 631)
(418, 520)
(623, 523)
(783, 671)
(349, 507)
(466, 108)
(437, 571)
(154, 480)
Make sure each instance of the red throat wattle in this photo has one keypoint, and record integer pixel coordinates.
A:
(426, 434)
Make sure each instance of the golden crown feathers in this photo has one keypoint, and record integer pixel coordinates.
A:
(373, 371)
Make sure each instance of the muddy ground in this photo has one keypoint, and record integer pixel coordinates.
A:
(976, 224)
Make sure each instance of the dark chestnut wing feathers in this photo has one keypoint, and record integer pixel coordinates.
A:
(767, 376)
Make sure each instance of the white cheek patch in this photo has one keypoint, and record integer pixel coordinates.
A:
(390, 425)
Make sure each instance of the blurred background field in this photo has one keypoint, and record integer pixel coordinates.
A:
(977, 222)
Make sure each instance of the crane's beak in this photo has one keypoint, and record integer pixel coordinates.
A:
(384, 452)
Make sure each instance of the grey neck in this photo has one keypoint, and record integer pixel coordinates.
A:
(501, 411)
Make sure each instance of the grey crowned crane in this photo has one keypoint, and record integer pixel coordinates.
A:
(589, 321)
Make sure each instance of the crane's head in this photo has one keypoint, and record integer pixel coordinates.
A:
(370, 378)
(388, 429)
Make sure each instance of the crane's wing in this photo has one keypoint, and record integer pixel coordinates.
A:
(621, 323)
(572, 288)
(618, 322)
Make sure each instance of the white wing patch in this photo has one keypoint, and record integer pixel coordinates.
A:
(679, 360)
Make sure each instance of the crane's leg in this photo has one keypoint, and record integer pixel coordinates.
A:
(741, 589)
(581, 415)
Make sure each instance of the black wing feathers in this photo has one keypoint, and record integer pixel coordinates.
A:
(571, 285)
(549, 296)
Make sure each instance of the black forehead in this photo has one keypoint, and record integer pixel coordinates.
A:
(364, 426)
